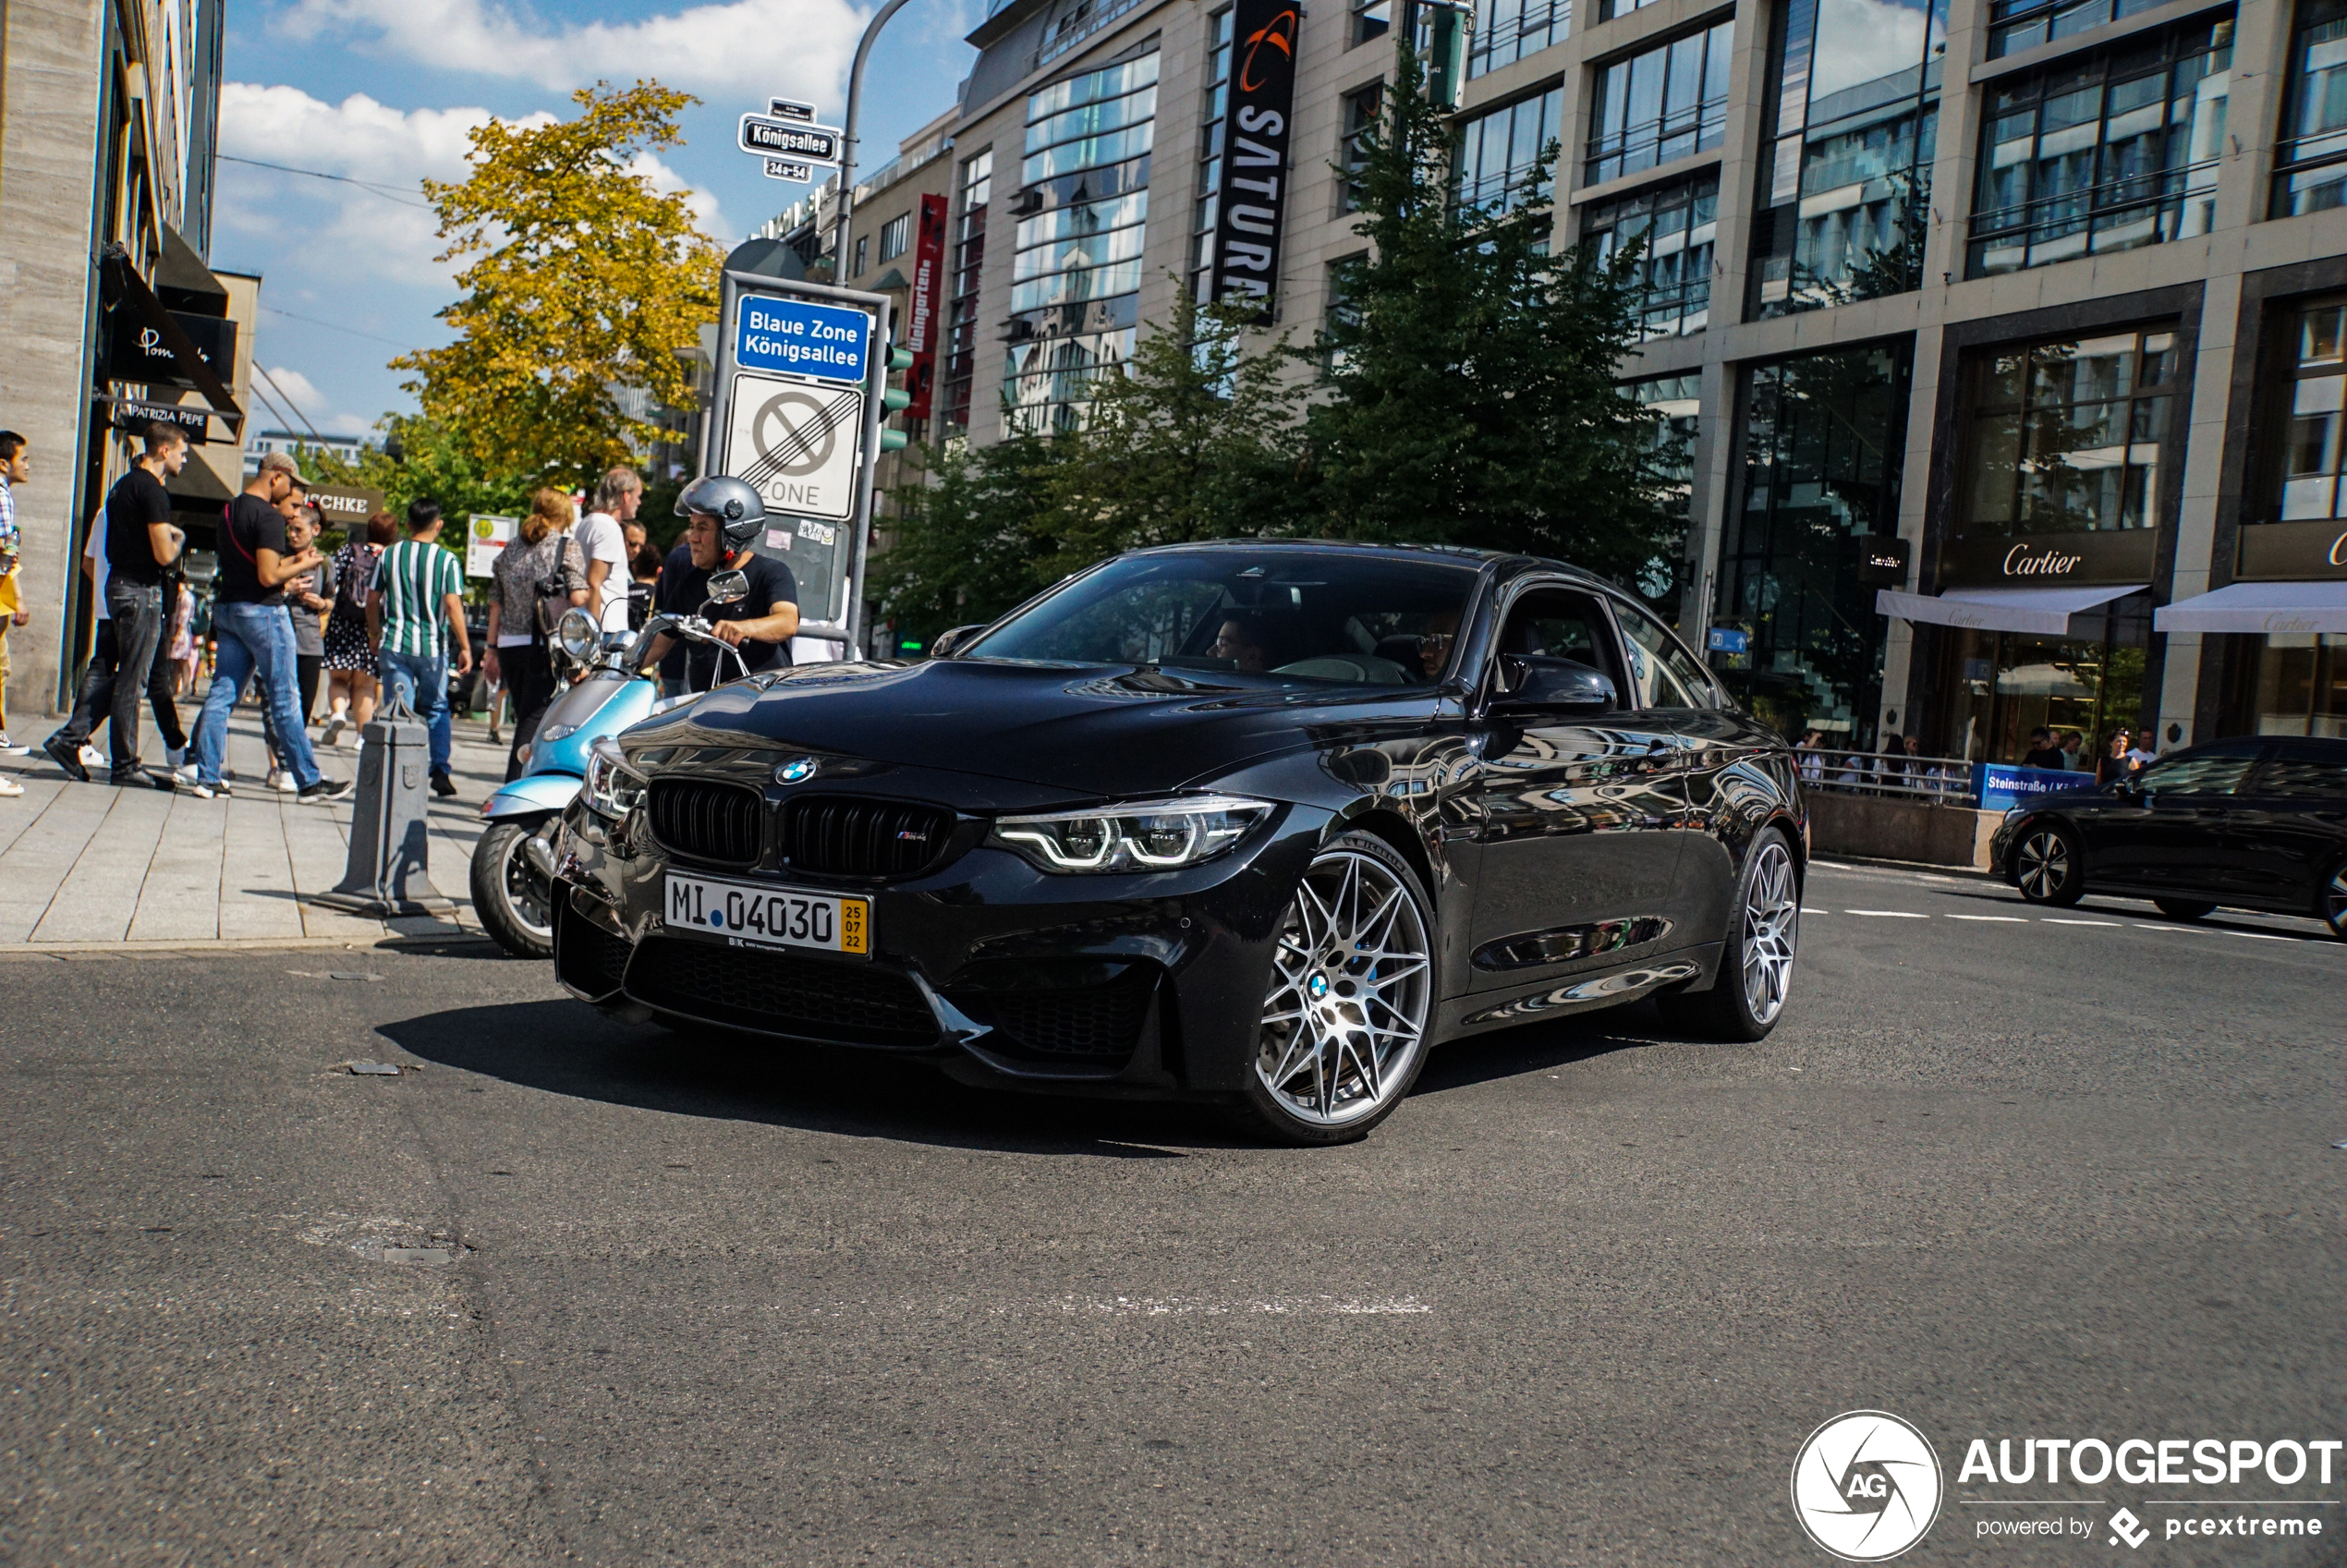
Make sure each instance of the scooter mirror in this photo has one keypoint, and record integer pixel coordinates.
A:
(725, 588)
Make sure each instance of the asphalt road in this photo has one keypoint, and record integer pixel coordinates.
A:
(567, 1291)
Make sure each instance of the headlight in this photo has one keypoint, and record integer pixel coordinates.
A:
(1139, 835)
(578, 635)
(553, 732)
(612, 788)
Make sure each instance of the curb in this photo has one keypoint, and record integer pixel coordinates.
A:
(1873, 863)
(394, 941)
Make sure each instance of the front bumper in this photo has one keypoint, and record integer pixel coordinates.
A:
(1142, 985)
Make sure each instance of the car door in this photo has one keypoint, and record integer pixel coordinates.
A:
(1578, 817)
(2288, 827)
(2166, 833)
(1718, 748)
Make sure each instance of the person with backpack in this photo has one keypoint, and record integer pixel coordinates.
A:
(538, 575)
(350, 657)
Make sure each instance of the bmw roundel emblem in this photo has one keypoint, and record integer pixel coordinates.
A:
(797, 770)
(1319, 987)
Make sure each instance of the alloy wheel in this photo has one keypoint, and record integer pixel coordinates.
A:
(2045, 864)
(1345, 1016)
(1771, 928)
(2335, 902)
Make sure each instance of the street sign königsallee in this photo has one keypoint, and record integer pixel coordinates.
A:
(785, 139)
(803, 338)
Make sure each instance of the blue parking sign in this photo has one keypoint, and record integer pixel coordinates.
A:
(802, 338)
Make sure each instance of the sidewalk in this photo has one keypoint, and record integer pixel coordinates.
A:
(85, 865)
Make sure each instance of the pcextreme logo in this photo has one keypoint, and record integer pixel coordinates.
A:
(1866, 1486)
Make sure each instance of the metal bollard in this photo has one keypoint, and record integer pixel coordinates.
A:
(389, 872)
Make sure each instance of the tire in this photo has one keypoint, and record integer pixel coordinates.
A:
(1756, 959)
(2334, 902)
(511, 897)
(1344, 1020)
(2183, 908)
(2046, 867)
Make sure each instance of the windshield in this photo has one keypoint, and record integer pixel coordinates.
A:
(1294, 615)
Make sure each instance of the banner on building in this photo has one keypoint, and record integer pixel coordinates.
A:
(1255, 147)
(345, 506)
(928, 296)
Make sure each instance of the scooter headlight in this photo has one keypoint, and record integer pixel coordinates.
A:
(613, 788)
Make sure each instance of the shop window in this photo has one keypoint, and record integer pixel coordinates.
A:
(2066, 437)
(2112, 152)
(2302, 685)
(1821, 441)
(1499, 152)
(1507, 31)
(2310, 162)
(2001, 686)
(1664, 102)
(1679, 223)
(1848, 195)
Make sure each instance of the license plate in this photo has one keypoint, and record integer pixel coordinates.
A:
(770, 917)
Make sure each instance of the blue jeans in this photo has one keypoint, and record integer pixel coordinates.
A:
(255, 639)
(421, 682)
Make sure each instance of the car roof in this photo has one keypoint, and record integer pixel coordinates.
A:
(1461, 554)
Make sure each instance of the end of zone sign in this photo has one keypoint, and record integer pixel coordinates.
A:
(802, 338)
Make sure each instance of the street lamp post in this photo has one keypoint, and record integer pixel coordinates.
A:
(847, 137)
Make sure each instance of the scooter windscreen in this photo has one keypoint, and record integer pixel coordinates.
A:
(577, 707)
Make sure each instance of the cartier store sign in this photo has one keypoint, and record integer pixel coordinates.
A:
(2306, 552)
(2048, 560)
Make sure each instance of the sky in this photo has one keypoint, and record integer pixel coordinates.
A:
(383, 93)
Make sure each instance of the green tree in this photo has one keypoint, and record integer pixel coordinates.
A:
(971, 536)
(586, 277)
(1196, 437)
(1469, 378)
(433, 463)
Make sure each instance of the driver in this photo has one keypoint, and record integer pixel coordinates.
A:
(1240, 642)
(722, 516)
(1434, 643)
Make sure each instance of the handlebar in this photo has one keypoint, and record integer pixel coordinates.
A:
(688, 629)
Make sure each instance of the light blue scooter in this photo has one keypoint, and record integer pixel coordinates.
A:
(513, 868)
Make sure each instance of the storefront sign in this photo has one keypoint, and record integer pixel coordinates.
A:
(137, 351)
(1882, 561)
(1255, 142)
(486, 539)
(132, 416)
(346, 505)
(929, 292)
(2049, 560)
(2304, 552)
(2003, 786)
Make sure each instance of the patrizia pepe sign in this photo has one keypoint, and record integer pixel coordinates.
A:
(1255, 142)
(2048, 560)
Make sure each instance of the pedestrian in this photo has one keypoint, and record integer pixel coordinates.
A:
(2072, 745)
(2113, 765)
(538, 577)
(351, 683)
(93, 700)
(416, 611)
(643, 571)
(141, 541)
(722, 517)
(15, 467)
(2042, 751)
(1810, 755)
(308, 600)
(256, 635)
(603, 543)
(1891, 765)
(2146, 750)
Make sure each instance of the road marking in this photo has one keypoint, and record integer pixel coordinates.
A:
(1889, 914)
(2058, 920)
(2261, 936)
(1807, 910)
(2013, 920)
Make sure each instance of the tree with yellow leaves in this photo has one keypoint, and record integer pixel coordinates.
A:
(586, 278)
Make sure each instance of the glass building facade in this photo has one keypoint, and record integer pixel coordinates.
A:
(1660, 105)
(1499, 152)
(1678, 224)
(1509, 30)
(2310, 160)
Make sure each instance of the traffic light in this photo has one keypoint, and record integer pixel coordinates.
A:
(894, 399)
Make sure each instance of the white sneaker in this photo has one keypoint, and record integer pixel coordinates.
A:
(94, 759)
(9, 786)
(185, 775)
(282, 782)
(336, 725)
(10, 749)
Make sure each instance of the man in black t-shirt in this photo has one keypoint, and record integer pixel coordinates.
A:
(139, 543)
(722, 517)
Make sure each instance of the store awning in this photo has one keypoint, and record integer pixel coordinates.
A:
(2260, 607)
(2045, 611)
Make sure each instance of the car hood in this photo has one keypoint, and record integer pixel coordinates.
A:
(1093, 731)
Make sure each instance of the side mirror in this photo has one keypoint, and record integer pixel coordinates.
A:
(725, 588)
(1531, 684)
(943, 646)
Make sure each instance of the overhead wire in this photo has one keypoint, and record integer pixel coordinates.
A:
(385, 191)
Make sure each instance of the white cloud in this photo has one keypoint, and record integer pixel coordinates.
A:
(305, 406)
(747, 48)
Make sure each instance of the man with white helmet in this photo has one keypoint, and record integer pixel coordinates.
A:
(723, 516)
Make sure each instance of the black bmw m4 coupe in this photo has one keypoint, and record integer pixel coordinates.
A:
(1256, 824)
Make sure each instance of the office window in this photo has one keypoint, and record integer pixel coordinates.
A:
(1678, 220)
(1848, 193)
(1666, 102)
(1076, 261)
(863, 249)
(2107, 153)
(1497, 151)
(965, 264)
(2016, 25)
(2313, 399)
(1360, 111)
(2310, 160)
(1506, 31)
(1210, 147)
(1676, 404)
(895, 236)
(2064, 437)
(1371, 18)
(1609, 9)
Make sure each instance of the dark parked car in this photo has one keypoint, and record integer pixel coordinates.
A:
(1247, 824)
(2256, 824)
